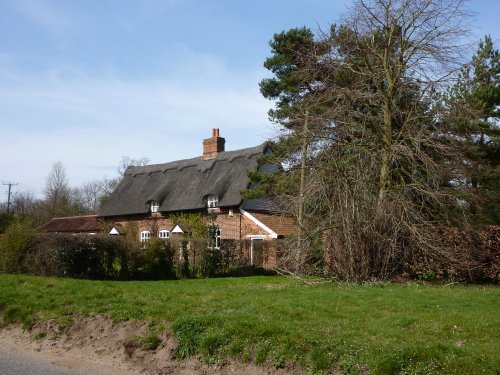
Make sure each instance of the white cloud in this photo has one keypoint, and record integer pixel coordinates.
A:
(88, 124)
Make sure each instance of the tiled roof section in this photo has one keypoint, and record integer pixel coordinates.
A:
(73, 224)
(184, 184)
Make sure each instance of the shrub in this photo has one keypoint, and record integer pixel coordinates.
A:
(13, 245)
(210, 262)
(5, 220)
(80, 256)
(472, 255)
(183, 269)
(151, 260)
(120, 257)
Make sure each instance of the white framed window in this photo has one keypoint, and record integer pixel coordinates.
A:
(145, 235)
(214, 237)
(164, 234)
(212, 201)
(155, 206)
(218, 238)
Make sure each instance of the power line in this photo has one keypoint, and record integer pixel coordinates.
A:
(9, 184)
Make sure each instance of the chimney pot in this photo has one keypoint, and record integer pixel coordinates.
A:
(215, 132)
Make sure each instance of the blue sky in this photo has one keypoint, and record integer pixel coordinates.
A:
(85, 82)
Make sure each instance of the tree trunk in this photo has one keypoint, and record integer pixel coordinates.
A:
(385, 178)
(301, 194)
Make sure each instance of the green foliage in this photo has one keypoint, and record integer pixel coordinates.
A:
(151, 260)
(19, 314)
(150, 342)
(5, 220)
(121, 257)
(81, 256)
(412, 360)
(474, 103)
(276, 180)
(13, 244)
(188, 331)
(291, 53)
(427, 276)
(210, 262)
(211, 255)
(294, 83)
(39, 336)
(192, 224)
(85, 256)
(183, 269)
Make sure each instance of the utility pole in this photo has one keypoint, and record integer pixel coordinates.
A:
(9, 184)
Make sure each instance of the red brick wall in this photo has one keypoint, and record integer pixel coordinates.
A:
(212, 146)
(234, 227)
(283, 225)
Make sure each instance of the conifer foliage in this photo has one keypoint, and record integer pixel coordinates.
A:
(370, 162)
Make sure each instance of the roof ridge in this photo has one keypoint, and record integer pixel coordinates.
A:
(72, 217)
(184, 163)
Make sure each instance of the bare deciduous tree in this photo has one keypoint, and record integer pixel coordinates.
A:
(127, 161)
(380, 165)
(90, 194)
(57, 193)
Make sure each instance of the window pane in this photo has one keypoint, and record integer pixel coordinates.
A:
(145, 236)
(155, 206)
(163, 234)
(212, 201)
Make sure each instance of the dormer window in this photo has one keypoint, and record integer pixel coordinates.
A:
(154, 206)
(212, 201)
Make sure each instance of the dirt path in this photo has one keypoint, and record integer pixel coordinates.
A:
(64, 352)
(97, 344)
(14, 341)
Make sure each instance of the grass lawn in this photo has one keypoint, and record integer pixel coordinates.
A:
(378, 328)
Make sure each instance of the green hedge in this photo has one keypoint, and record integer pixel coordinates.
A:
(118, 258)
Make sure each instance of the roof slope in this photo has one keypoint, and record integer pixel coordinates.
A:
(73, 224)
(184, 184)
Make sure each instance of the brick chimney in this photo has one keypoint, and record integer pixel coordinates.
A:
(212, 146)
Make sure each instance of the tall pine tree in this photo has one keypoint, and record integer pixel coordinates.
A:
(475, 106)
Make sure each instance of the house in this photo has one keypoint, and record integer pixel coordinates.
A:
(148, 198)
(89, 224)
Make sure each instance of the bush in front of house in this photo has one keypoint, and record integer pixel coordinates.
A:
(152, 260)
(221, 261)
(13, 242)
(116, 258)
(210, 262)
(79, 256)
(99, 257)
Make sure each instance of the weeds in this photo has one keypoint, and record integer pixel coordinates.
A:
(188, 331)
(150, 342)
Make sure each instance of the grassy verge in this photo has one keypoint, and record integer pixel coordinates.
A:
(380, 328)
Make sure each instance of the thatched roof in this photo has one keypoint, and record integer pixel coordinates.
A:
(73, 224)
(184, 184)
